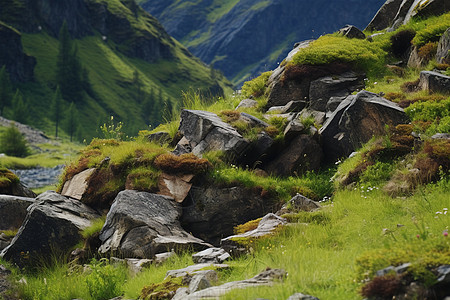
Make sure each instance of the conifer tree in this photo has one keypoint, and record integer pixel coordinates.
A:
(19, 108)
(5, 89)
(137, 87)
(71, 120)
(55, 109)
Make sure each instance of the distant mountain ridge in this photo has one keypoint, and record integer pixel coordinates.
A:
(135, 70)
(245, 37)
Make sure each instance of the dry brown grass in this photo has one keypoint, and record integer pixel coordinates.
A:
(183, 164)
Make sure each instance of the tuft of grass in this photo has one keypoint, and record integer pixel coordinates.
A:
(7, 178)
(183, 164)
(95, 228)
(257, 86)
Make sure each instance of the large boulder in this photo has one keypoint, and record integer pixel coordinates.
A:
(434, 82)
(214, 211)
(323, 89)
(77, 186)
(385, 16)
(13, 211)
(443, 51)
(356, 120)
(302, 154)
(140, 225)
(352, 32)
(52, 226)
(19, 65)
(205, 131)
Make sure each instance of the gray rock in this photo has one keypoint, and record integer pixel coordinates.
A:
(13, 210)
(434, 82)
(265, 278)
(134, 265)
(443, 274)
(268, 224)
(352, 32)
(211, 255)
(298, 203)
(31, 135)
(415, 61)
(319, 116)
(247, 103)
(322, 89)
(215, 211)
(205, 131)
(300, 296)
(441, 136)
(385, 271)
(260, 148)
(253, 121)
(161, 137)
(402, 268)
(140, 225)
(292, 106)
(181, 294)
(293, 129)
(52, 225)
(160, 258)
(199, 282)
(302, 154)
(206, 269)
(385, 16)
(443, 51)
(356, 120)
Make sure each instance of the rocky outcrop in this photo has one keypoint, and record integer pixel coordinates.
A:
(213, 212)
(434, 82)
(443, 50)
(352, 32)
(211, 255)
(77, 186)
(356, 120)
(19, 65)
(140, 225)
(298, 203)
(397, 12)
(205, 131)
(13, 211)
(31, 135)
(52, 226)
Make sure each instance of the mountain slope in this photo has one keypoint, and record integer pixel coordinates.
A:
(132, 64)
(245, 37)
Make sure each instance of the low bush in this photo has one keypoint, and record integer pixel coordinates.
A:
(401, 41)
(7, 178)
(104, 280)
(428, 51)
(257, 86)
(13, 143)
(431, 31)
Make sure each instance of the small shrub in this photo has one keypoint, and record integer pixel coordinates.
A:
(401, 42)
(162, 290)
(105, 280)
(410, 86)
(384, 287)
(184, 164)
(13, 143)
(428, 110)
(395, 97)
(377, 173)
(7, 178)
(229, 116)
(432, 32)
(95, 227)
(256, 87)
(142, 179)
(428, 51)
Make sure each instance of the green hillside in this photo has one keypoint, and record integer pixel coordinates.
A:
(134, 88)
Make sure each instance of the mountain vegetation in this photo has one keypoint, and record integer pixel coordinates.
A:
(244, 38)
(108, 58)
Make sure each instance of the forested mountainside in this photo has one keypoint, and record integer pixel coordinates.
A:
(243, 38)
(111, 59)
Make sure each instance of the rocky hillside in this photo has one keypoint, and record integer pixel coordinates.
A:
(244, 38)
(128, 65)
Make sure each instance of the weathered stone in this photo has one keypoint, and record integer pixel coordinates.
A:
(319, 116)
(427, 8)
(267, 226)
(20, 66)
(134, 265)
(302, 154)
(265, 278)
(443, 274)
(300, 296)
(52, 225)
(352, 32)
(385, 16)
(252, 120)
(434, 82)
(443, 50)
(198, 269)
(205, 131)
(76, 186)
(441, 136)
(292, 106)
(175, 186)
(414, 60)
(215, 211)
(260, 148)
(140, 225)
(293, 129)
(356, 120)
(163, 257)
(322, 89)
(199, 282)
(247, 103)
(211, 255)
(298, 203)
(13, 210)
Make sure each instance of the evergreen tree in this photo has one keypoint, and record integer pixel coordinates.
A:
(168, 110)
(5, 89)
(55, 109)
(19, 108)
(68, 68)
(13, 143)
(137, 87)
(71, 120)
